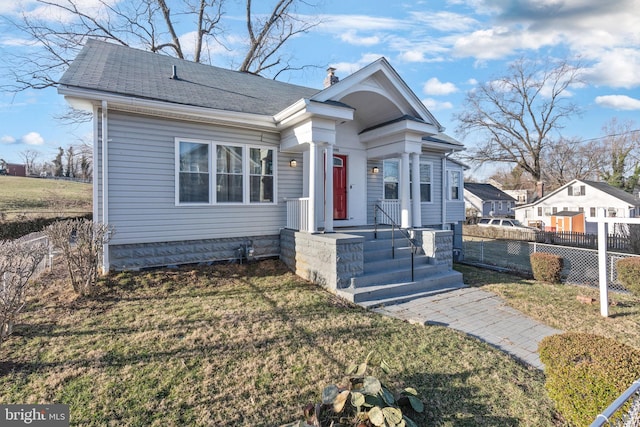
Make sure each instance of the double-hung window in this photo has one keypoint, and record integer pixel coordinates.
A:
(260, 175)
(194, 177)
(219, 173)
(229, 174)
(455, 185)
(425, 182)
(391, 170)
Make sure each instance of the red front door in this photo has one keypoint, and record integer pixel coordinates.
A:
(339, 187)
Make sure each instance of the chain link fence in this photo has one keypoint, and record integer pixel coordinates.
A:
(624, 412)
(580, 265)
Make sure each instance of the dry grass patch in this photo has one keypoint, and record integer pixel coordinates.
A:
(558, 306)
(247, 345)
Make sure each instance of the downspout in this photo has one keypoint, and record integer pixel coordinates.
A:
(105, 184)
(444, 188)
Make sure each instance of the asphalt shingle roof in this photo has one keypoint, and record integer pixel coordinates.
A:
(615, 192)
(131, 72)
(487, 192)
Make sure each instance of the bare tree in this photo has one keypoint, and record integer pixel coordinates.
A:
(268, 33)
(29, 157)
(571, 159)
(152, 24)
(520, 114)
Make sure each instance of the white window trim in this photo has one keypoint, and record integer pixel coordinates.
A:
(395, 160)
(177, 171)
(460, 186)
(213, 171)
(431, 201)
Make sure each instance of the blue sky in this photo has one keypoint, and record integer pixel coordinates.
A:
(442, 49)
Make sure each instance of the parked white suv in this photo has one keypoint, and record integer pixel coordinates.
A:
(513, 224)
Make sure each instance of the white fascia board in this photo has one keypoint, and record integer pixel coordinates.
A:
(347, 85)
(407, 127)
(81, 97)
(305, 109)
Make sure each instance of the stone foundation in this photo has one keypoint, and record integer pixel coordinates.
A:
(330, 260)
(160, 254)
(437, 245)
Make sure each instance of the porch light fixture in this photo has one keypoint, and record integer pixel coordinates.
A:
(375, 169)
(293, 163)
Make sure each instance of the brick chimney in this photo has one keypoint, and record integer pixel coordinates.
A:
(540, 189)
(331, 78)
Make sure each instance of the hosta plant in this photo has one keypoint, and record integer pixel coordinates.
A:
(363, 401)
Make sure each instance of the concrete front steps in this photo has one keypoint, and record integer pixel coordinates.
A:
(388, 280)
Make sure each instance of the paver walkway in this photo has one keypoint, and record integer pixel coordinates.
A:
(481, 314)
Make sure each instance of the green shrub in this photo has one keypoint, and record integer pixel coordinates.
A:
(585, 373)
(629, 274)
(546, 267)
(11, 230)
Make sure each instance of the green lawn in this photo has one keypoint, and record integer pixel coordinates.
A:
(247, 345)
(43, 197)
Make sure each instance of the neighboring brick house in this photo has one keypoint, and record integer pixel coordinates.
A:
(591, 198)
(487, 200)
(15, 169)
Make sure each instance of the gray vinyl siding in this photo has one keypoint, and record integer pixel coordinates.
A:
(142, 184)
(374, 187)
(432, 212)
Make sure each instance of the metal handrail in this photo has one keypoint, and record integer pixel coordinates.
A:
(412, 243)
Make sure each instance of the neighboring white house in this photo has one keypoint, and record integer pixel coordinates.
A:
(193, 161)
(580, 196)
(486, 200)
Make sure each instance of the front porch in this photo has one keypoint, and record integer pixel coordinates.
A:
(372, 268)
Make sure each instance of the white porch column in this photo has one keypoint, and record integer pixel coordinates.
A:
(313, 166)
(405, 201)
(416, 208)
(328, 189)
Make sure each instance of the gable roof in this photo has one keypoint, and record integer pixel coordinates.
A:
(121, 70)
(601, 186)
(613, 191)
(487, 192)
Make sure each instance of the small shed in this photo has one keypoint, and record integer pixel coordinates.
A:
(567, 221)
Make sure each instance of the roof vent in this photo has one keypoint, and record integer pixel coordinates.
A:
(174, 73)
(331, 78)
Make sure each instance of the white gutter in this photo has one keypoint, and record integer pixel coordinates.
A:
(256, 121)
(105, 184)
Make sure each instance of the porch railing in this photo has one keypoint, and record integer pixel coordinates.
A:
(298, 214)
(378, 210)
(391, 208)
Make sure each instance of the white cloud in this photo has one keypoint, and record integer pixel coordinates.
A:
(32, 138)
(433, 86)
(346, 68)
(616, 68)
(412, 56)
(7, 139)
(445, 21)
(337, 23)
(353, 38)
(472, 82)
(618, 102)
(435, 105)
